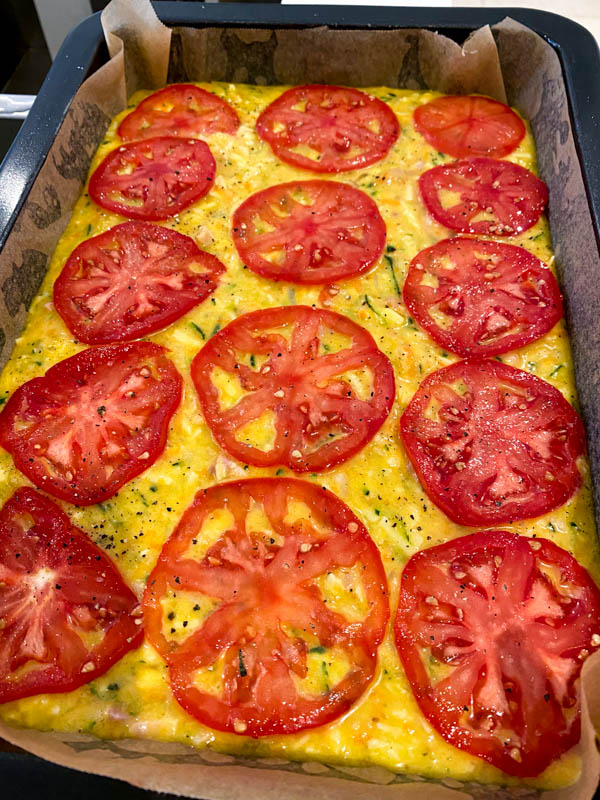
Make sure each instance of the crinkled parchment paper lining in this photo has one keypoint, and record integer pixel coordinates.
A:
(513, 64)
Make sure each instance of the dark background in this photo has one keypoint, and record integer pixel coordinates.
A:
(24, 58)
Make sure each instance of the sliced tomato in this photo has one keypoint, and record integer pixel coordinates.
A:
(181, 109)
(132, 280)
(484, 196)
(470, 126)
(478, 297)
(153, 179)
(272, 629)
(492, 630)
(328, 128)
(93, 421)
(309, 232)
(492, 444)
(67, 616)
(311, 379)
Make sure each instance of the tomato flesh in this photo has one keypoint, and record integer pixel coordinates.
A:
(93, 421)
(58, 594)
(328, 128)
(479, 297)
(484, 196)
(492, 444)
(309, 232)
(271, 616)
(153, 179)
(132, 280)
(463, 126)
(278, 358)
(492, 630)
(181, 109)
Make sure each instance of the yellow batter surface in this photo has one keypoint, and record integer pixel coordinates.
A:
(385, 727)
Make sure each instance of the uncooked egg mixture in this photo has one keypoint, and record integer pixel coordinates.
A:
(385, 727)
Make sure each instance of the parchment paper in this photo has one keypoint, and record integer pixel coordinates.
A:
(511, 63)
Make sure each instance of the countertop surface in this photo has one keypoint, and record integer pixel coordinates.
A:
(586, 12)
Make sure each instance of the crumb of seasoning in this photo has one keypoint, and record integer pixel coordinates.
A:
(242, 666)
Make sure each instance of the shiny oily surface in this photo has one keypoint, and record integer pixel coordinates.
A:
(385, 727)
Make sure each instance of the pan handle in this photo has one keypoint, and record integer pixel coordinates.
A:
(15, 106)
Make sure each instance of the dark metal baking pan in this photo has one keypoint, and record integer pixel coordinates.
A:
(84, 51)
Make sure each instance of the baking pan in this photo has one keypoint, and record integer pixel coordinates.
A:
(84, 51)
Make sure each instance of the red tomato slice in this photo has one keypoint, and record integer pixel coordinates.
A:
(483, 195)
(328, 128)
(132, 280)
(492, 630)
(492, 444)
(470, 126)
(179, 110)
(67, 616)
(93, 421)
(272, 626)
(309, 232)
(481, 298)
(279, 359)
(153, 179)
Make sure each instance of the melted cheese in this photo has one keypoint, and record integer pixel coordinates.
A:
(385, 727)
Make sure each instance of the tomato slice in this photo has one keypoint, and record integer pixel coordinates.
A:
(93, 421)
(328, 128)
(67, 616)
(309, 232)
(478, 297)
(312, 386)
(470, 126)
(492, 630)
(132, 280)
(153, 179)
(272, 628)
(492, 444)
(484, 196)
(181, 109)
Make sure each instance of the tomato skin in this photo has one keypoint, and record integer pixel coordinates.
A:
(77, 421)
(168, 175)
(497, 296)
(213, 115)
(470, 604)
(49, 543)
(316, 239)
(137, 262)
(289, 385)
(471, 125)
(264, 584)
(514, 196)
(334, 120)
(504, 450)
